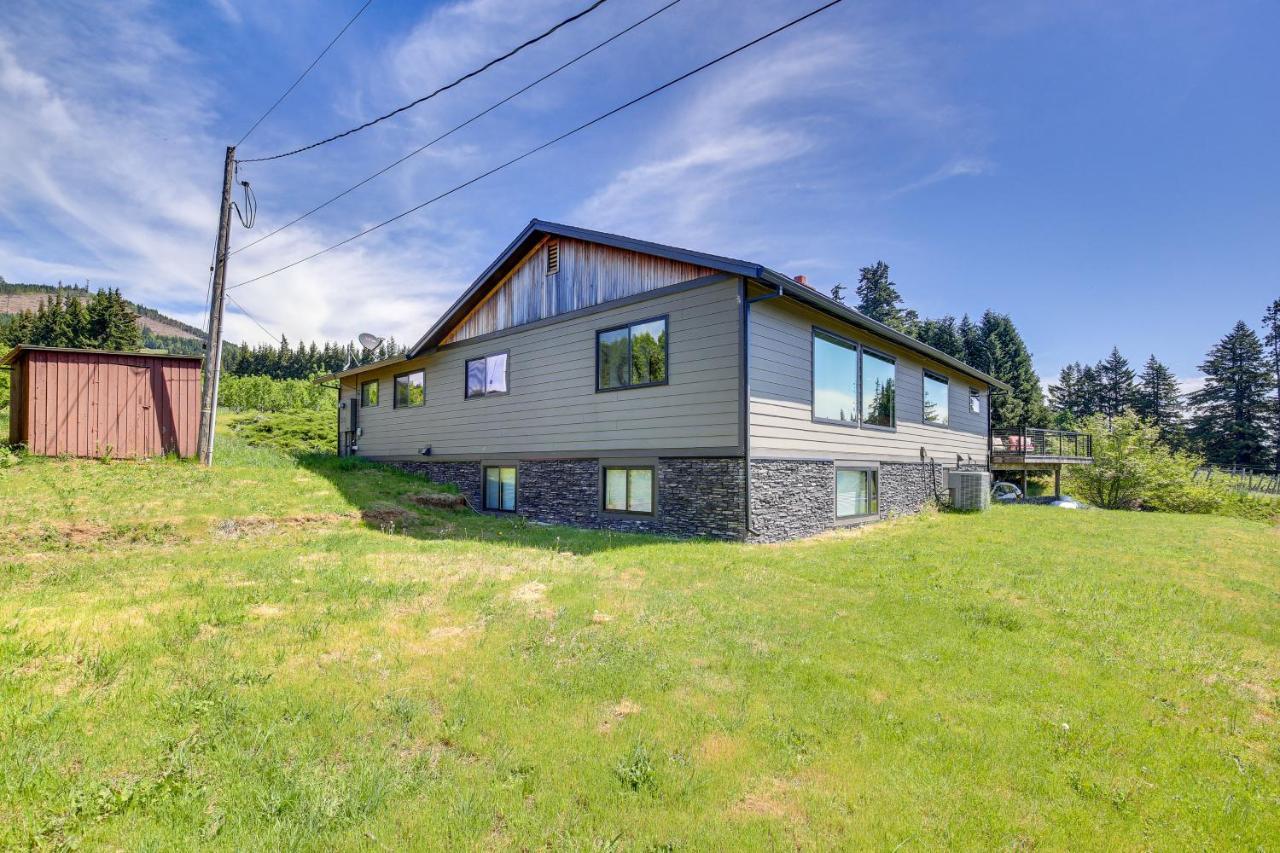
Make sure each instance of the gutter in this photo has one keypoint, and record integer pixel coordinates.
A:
(746, 392)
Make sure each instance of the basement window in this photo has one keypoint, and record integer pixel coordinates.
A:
(629, 490)
(857, 493)
(500, 488)
(487, 376)
(369, 394)
(553, 257)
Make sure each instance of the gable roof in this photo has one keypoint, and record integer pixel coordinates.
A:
(537, 229)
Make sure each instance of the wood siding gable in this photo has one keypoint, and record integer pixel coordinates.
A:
(588, 274)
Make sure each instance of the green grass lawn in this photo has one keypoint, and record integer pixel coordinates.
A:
(280, 655)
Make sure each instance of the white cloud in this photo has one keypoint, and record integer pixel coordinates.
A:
(957, 168)
(110, 164)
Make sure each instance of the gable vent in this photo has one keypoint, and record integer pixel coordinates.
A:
(553, 257)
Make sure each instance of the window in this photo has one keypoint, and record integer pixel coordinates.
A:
(632, 356)
(877, 389)
(856, 493)
(835, 379)
(500, 488)
(410, 390)
(368, 394)
(553, 257)
(628, 490)
(937, 408)
(975, 401)
(487, 376)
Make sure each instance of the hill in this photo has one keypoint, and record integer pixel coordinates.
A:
(279, 653)
(15, 298)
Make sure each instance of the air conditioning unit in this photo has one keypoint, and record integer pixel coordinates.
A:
(969, 490)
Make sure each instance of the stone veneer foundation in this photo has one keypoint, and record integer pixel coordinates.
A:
(790, 498)
(696, 496)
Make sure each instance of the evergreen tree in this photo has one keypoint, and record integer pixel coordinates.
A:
(1068, 399)
(879, 299)
(1090, 391)
(78, 324)
(1271, 339)
(837, 292)
(122, 325)
(943, 334)
(1005, 356)
(1233, 407)
(1115, 380)
(1158, 401)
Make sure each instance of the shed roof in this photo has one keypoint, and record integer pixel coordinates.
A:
(13, 354)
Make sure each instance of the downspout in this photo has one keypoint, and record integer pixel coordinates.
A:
(746, 391)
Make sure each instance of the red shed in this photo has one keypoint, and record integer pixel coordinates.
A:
(96, 402)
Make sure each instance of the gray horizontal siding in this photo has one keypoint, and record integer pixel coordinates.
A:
(781, 398)
(553, 406)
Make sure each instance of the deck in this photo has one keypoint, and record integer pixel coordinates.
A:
(1039, 448)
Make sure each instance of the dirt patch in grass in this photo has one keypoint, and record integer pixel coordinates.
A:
(772, 798)
(265, 611)
(438, 500)
(388, 517)
(87, 535)
(245, 528)
(625, 708)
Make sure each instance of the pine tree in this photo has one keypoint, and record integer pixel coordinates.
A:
(1090, 391)
(1158, 401)
(78, 324)
(1006, 357)
(1271, 339)
(1115, 378)
(942, 334)
(879, 299)
(1233, 407)
(122, 332)
(837, 292)
(1068, 398)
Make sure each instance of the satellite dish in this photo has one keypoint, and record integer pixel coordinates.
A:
(369, 342)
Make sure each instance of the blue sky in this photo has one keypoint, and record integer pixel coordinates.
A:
(1106, 173)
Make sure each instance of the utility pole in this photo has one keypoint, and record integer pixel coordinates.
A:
(213, 355)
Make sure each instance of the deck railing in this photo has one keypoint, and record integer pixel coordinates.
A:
(1027, 442)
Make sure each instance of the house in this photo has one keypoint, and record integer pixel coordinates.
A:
(84, 402)
(596, 380)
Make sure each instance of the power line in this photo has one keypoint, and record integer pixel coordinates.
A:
(458, 127)
(547, 144)
(280, 99)
(444, 88)
(246, 313)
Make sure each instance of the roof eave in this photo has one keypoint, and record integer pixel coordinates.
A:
(809, 296)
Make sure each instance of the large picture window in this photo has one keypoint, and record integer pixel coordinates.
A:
(487, 376)
(368, 394)
(835, 379)
(500, 488)
(856, 493)
(937, 404)
(628, 490)
(632, 356)
(877, 389)
(410, 390)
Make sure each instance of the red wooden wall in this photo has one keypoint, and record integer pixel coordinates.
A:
(126, 405)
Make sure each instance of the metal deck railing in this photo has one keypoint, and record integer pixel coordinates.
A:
(1050, 445)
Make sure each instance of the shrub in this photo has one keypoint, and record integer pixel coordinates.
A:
(264, 394)
(295, 432)
(1132, 469)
